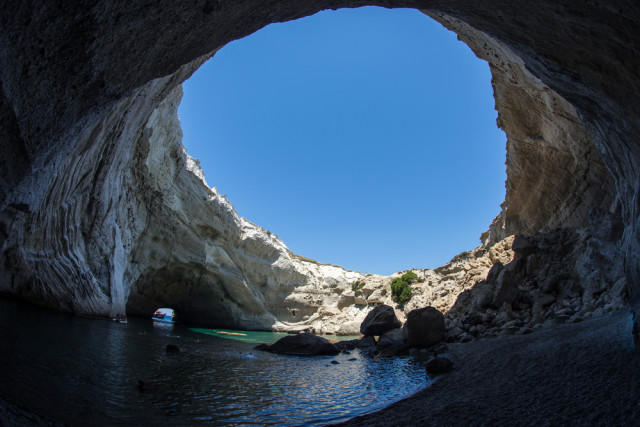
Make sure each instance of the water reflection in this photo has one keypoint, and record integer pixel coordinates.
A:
(81, 370)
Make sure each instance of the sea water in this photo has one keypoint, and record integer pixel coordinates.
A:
(85, 371)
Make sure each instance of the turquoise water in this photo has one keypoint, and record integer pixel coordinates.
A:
(85, 371)
(258, 337)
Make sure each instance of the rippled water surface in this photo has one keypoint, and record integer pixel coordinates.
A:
(83, 371)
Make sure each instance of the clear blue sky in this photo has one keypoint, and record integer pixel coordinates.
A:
(361, 137)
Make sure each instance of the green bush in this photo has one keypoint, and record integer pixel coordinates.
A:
(409, 276)
(401, 290)
(357, 285)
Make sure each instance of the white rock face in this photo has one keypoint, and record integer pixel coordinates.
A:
(102, 211)
(215, 268)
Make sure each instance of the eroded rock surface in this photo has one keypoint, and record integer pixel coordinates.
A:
(101, 209)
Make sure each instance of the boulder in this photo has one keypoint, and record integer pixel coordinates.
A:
(348, 328)
(507, 283)
(482, 295)
(379, 320)
(438, 365)
(377, 297)
(303, 344)
(391, 341)
(494, 271)
(367, 342)
(172, 348)
(347, 344)
(424, 327)
(540, 303)
(347, 299)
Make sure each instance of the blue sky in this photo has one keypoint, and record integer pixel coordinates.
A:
(361, 137)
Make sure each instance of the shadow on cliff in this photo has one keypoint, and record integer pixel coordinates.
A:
(190, 289)
(557, 276)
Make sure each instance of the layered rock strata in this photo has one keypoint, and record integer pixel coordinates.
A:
(101, 209)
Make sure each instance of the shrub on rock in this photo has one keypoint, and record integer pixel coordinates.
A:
(424, 327)
(379, 320)
(401, 287)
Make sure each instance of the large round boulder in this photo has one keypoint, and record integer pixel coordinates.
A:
(303, 344)
(379, 320)
(391, 342)
(424, 327)
(438, 365)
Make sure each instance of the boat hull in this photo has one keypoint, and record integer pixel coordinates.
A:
(162, 320)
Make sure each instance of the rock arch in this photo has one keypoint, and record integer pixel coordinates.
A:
(94, 184)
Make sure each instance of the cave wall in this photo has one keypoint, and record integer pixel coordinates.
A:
(85, 221)
(555, 175)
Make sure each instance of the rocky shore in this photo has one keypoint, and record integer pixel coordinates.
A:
(575, 374)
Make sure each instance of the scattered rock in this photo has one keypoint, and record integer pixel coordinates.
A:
(379, 320)
(303, 344)
(171, 348)
(466, 338)
(391, 341)
(424, 327)
(507, 284)
(540, 302)
(438, 365)
(367, 342)
(482, 295)
(347, 344)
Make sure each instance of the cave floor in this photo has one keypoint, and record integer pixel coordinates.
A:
(580, 374)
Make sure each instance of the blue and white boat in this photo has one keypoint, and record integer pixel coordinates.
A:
(164, 315)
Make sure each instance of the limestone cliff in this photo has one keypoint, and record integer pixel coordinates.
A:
(101, 210)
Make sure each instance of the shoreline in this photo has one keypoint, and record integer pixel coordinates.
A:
(574, 374)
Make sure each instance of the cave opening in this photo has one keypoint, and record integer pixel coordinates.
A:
(362, 137)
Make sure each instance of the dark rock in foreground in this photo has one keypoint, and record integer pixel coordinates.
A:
(347, 344)
(391, 342)
(367, 343)
(438, 365)
(424, 327)
(171, 348)
(262, 347)
(303, 344)
(379, 320)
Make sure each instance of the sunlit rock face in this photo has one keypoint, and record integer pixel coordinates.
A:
(101, 211)
(198, 256)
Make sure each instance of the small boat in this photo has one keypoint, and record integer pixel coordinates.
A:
(164, 315)
(237, 334)
(120, 319)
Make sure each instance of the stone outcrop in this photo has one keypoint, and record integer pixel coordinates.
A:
(302, 344)
(557, 276)
(379, 320)
(438, 365)
(391, 342)
(101, 210)
(424, 327)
